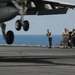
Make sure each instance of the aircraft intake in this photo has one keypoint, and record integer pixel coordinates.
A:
(7, 13)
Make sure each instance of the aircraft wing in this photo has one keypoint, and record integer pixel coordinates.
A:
(43, 7)
(60, 3)
(49, 7)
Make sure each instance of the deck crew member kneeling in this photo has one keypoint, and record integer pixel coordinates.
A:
(48, 33)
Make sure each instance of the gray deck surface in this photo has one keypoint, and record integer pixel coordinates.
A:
(22, 60)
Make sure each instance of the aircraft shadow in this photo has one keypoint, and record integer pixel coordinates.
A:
(34, 60)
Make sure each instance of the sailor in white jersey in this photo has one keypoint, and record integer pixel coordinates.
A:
(49, 35)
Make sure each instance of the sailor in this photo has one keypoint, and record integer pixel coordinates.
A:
(65, 35)
(73, 37)
(48, 33)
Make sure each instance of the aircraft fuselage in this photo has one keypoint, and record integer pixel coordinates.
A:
(5, 1)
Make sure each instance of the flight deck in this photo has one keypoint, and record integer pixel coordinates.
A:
(27, 60)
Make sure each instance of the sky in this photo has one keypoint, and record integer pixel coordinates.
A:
(39, 24)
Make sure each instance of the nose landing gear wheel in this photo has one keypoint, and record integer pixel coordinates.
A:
(26, 25)
(9, 37)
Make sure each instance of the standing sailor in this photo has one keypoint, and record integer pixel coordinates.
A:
(65, 35)
(48, 33)
(73, 37)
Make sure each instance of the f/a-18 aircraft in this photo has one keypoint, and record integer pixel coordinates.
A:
(9, 9)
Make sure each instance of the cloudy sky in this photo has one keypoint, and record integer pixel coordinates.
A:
(39, 24)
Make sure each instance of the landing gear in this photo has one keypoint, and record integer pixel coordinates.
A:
(3, 27)
(22, 9)
(25, 25)
(18, 25)
(9, 37)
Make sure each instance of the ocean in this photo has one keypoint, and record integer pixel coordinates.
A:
(34, 40)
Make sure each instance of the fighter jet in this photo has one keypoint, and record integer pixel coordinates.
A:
(9, 9)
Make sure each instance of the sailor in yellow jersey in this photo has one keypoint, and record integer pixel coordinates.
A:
(65, 35)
